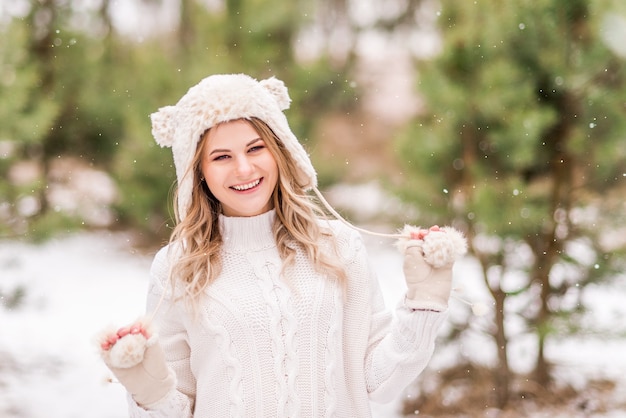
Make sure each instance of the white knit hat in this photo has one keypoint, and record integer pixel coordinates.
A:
(222, 98)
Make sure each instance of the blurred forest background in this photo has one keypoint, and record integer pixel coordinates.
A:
(504, 118)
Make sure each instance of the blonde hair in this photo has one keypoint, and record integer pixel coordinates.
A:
(197, 239)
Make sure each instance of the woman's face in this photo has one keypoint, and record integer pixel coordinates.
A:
(239, 169)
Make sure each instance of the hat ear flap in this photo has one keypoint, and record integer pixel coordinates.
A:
(163, 125)
(278, 90)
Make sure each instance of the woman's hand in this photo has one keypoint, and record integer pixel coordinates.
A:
(136, 358)
(429, 255)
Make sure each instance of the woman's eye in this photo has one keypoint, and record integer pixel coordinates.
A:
(256, 148)
(220, 157)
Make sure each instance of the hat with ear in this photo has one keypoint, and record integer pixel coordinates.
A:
(222, 98)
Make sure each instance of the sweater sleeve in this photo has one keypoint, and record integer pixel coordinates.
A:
(172, 334)
(399, 346)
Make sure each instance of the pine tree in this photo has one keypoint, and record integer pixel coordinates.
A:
(523, 132)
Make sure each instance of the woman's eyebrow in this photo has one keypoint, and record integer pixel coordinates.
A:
(217, 150)
(253, 141)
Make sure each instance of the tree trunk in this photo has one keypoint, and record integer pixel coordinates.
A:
(502, 374)
(542, 367)
(41, 46)
(186, 28)
(549, 247)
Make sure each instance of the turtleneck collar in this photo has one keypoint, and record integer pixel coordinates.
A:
(241, 234)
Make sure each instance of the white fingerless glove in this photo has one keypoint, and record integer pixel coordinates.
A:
(428, 262)
(140, 366)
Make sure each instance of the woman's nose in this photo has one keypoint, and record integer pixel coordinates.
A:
(243, 166)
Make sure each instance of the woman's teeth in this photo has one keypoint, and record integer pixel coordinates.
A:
(242, 187)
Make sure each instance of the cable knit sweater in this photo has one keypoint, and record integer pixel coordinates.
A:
(265, 345)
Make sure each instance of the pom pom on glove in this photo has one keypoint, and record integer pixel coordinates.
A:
(428, 259)
(136, 358)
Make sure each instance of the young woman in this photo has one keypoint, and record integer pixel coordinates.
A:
(263, 307)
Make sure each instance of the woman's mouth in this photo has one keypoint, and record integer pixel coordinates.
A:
(247, 186)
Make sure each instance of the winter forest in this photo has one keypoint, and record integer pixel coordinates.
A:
(505, 119)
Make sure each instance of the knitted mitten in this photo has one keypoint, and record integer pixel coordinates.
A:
(428, 259)
(139, 364)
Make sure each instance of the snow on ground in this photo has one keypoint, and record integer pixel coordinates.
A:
(74, 286)
(77, 285)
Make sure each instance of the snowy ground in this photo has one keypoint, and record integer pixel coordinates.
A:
(79, 284)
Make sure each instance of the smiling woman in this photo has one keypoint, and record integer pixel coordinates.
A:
(259, 305)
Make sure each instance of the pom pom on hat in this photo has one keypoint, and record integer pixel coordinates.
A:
(278, 89)
(163, 126)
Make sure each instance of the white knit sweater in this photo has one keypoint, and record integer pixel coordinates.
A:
(272, 346)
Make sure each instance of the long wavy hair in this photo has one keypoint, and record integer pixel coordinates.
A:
(197, 239)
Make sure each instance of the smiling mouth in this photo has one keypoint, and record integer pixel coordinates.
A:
(247, 186)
